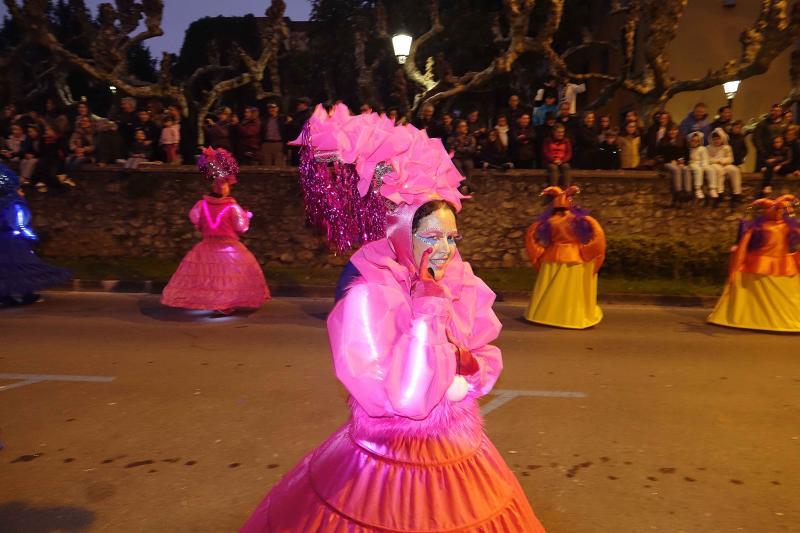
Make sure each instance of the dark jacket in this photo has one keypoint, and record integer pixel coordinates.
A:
(739, 147)
(778, 156)
(248, 138)
(524, 143)
(218, 135)
(586, 142)
(282, 133)
(668, 152)
(607, 156)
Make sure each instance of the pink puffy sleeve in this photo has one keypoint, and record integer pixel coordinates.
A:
(240, 219)
(390, 351)
(196, 213)
(477, 325)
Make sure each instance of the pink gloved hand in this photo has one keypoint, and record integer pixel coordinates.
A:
(427, 284)
(249, 214)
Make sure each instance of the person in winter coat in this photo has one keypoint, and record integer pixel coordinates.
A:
(629, 144)
(524, 146)
(738, 142)
(556, 156)
(607, 155)
(586, 142)
(766, 130)
(697, 120)
(700, 167)
(463, 148)
(672, 155)
(540, 113)
(720, 156)
(793, 144)
(776, 159)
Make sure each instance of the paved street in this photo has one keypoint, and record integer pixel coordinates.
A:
(671, 425)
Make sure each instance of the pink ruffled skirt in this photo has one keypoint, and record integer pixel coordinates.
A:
(386, 479)
(217, 275)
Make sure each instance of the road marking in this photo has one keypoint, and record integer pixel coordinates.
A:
(503, 396)
(30, 379)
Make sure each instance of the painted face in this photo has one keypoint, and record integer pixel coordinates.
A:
(437, 231)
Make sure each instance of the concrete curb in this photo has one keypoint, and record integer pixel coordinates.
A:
(319, 291)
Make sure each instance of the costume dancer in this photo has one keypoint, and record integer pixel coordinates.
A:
(22, 273)
(567, 247)
(219, 273)
(763, 289)
(410, 338)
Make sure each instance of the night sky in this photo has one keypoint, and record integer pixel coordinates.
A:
(177, 17)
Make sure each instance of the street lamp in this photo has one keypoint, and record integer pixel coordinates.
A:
(402, 46)
(731, 88)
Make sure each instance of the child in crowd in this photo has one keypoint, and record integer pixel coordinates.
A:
(525, 142)
(738, 142)
(170, 139)
(463, 148)
(776, 159)
(141, 150)
(81, 144)
(556, 155)
(13, 143)
(29, 153)
(50, 167)
(540, 113)
(603, 125)
(607, 156)
(629, 145)
(672, 154)
(700, 167)
(793, 144)
(720, 156)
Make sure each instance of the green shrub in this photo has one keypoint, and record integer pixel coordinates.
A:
(648, 257)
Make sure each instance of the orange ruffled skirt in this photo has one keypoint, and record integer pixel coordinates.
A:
(217, 274)
(409, 482)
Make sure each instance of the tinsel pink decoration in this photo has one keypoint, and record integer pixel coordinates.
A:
(218, 165)
(375, 166)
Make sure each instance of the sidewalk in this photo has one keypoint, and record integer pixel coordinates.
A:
(326, 291)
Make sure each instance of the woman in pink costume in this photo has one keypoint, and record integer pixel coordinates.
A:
(410, 338)
(219, 273)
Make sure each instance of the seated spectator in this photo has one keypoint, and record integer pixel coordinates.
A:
(141, 151)
(632, 116)
(7, 119)
(55, 117)
(604, 124)
(549, 106)
(426, 121)
(126, 120)
(629, 144)
(218, 132)
(775, 161)
(720, 156)
(144, 122)
(81, 144)
(49, 172)
(447, 126)
(503, 132)
(565, 118)
(31, 118)
(672, 155)
(738, 142)
(82, 111)
(697, 120)
(586, 142)
(29, 153)
(494, 154)
(556, 156)
(793, 144)
(543, 132)
(248, 137)
(662, 121)
(524, 143)
(477, 127)
(772, 126)
(607, 156)
(724, 119)
(170, 139)
(788, 117)
(700, 166)
(463, 148)
(13, 143)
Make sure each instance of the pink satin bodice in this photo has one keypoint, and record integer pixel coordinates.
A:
(219, 218)
(391, 350)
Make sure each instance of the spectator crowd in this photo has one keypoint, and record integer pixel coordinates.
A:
(702, 154)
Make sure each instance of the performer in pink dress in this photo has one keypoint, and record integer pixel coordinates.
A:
(410, 336)
(219, 273)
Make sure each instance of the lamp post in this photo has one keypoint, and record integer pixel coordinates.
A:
(402, 46)
(731, 88)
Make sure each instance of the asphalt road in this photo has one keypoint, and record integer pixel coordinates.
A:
(683, 427)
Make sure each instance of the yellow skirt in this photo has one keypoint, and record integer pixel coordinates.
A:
(565, 296)
(756, 301)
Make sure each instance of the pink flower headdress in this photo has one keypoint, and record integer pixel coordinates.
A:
(377, 167)
(218, 166)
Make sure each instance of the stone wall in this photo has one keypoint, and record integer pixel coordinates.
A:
(145, 213)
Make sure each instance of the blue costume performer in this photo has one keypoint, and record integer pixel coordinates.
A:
(22, 273)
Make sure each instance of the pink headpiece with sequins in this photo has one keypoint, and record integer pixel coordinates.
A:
(218, 166)
(381, 172)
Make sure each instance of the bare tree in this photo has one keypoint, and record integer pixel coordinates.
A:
(116, 33)
(647, 27)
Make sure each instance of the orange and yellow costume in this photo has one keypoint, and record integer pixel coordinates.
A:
(567, 248)
(763, 288)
